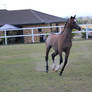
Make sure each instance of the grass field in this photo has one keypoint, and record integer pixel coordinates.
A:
(22, 69)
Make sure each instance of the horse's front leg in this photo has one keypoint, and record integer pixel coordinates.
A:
(59, 66)
(65, 62)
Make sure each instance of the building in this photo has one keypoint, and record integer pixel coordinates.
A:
(29, 18)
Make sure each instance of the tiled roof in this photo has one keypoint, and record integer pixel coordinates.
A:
(28, 16)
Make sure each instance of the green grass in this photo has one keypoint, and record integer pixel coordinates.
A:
(22, 69)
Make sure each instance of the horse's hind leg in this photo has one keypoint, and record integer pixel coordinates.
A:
(46, 57)
(53, 58)
(65, 62)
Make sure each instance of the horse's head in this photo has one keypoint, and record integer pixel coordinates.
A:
(73, 24)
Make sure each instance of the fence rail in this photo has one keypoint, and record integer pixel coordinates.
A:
(37, 34)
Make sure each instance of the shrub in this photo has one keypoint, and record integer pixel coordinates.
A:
(73, 34)
(84, 35)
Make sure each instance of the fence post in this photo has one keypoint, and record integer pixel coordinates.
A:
(32, 35)
(5, 35)
(86, 32)
(60, 30)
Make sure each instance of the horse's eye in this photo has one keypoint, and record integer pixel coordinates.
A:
(74, 22)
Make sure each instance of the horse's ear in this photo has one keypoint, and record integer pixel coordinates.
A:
(74, 16)
(71, 17)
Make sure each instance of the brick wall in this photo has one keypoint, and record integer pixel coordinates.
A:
(36, 31)
(1, 39)
(25, 32)
(1, 33)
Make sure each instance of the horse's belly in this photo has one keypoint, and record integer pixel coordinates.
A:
(67, 45)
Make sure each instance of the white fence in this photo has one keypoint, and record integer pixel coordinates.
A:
(37, 34)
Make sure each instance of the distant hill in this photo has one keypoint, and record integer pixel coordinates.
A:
(85, 20)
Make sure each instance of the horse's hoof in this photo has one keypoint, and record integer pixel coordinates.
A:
(60, 74)
(57, 68)
(53, 67)
(46, 71)
(54, 70)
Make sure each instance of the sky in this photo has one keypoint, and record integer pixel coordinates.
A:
(61, 8)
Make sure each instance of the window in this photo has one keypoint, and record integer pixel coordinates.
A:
(39, 30)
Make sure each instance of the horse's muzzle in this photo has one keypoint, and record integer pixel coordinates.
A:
(79, 28)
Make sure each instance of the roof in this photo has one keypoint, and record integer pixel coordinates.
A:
(28, 16)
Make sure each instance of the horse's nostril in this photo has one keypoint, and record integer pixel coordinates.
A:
(79, 28)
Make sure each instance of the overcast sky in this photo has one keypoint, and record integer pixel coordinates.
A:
(61, 8)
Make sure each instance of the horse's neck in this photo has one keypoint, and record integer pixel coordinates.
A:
(67, 34)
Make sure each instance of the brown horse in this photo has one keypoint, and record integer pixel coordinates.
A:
(61, 43)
